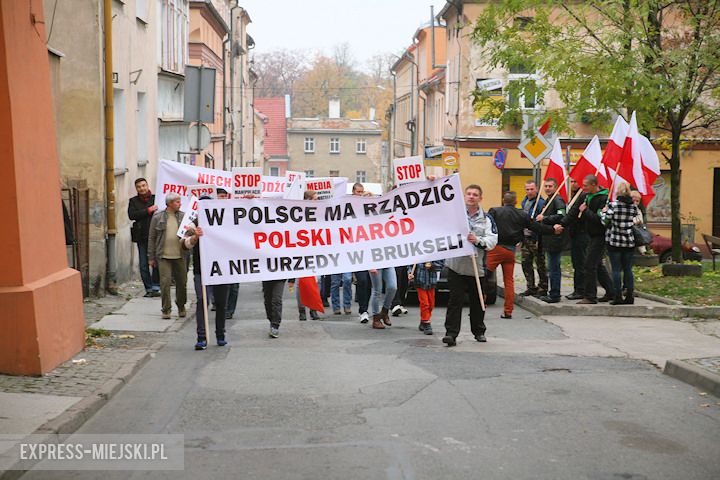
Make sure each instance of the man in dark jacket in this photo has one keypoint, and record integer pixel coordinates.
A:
(553, 244)
(531, 250)
(141, 209)
(511, 224)
(589, 210)
(578, 244)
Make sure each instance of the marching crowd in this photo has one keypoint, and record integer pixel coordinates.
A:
(591, 225)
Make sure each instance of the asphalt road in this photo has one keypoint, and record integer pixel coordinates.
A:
(335, 399)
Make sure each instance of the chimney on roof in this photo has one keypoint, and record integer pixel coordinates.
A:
(334, 108)
(288, 109)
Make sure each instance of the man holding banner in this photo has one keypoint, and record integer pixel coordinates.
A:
(164, 252)
(461, 272)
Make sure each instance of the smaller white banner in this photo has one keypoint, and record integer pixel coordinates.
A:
(327, 187)
(247, 181)
(408, 170)
(189, 217)
(200, 190)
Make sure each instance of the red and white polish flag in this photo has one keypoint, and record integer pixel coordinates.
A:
(630, 166)
(590, 163)
(614, 148)
(650, 167)
(556, 170)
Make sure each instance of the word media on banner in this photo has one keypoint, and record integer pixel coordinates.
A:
(408, 169)
(248, 240)
(247, 181)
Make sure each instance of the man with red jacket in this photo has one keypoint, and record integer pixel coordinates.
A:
(141, 208)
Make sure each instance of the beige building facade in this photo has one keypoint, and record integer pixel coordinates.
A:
(335, 148)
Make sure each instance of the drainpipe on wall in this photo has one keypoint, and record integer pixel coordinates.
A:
(232, 84)
(392, 128)
(224, 98)
(111, 267)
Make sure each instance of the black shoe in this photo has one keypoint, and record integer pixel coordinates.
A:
(481, 338)
(547, 299)
(228, 316)
(314, 315)
(325, 303)
(574, 296)
(428, 329)
(606, 298)
(421, 327)
(529, 292)
(449, 341)
(148, 294)
(540, 293)
(505, 315)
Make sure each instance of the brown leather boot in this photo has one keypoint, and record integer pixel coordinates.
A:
(385, 317)
(377, 321)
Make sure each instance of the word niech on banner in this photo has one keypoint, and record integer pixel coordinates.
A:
(257, 239)
(176, 177)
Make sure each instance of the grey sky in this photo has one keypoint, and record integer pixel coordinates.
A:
(369, 26)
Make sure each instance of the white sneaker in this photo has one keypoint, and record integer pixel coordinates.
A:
(403, 310)
(364, 317)
(396, 310)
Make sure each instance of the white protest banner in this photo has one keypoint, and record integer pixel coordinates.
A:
(272, 187)
(246, 181)
(327, 187)
(291, 175)
(247, 240)
(199, 190)
(189, 217)
(175, 177)
(408, 169)
(295, 189)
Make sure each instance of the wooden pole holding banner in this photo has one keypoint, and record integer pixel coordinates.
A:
(205, 312)
(574, 199)
(477, 281)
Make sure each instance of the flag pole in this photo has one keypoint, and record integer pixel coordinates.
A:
(547, 204)
(205, 312)
(477, 281)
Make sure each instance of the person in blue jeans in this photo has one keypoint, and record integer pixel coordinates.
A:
(363, 290)
(619, 217)
(553, 244)
(336, 280)
(378, 277)
(141, 209)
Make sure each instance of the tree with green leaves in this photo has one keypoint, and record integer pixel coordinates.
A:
(659, 58)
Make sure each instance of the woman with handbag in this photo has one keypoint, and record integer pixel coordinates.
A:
(619, 217)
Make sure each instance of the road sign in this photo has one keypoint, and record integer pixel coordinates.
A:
(535, 148)
(199, 140)
(199, 103)
(451, 159)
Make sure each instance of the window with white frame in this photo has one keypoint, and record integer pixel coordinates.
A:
(274, 171)
(360, 176)
(173, 34)
(526, 79)
(334, 145)
(360, 146)
(334, 173)
(119, 143)
(309, 145)
(309, 173)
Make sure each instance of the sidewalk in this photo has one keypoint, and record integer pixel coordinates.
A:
(692, 356)
(645, 306)
(63, 399)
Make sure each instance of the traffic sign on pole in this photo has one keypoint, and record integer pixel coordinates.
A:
(535, 148)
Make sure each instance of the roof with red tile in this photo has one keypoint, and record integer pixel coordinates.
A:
(275, 142)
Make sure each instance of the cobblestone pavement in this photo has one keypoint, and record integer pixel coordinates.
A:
(98, 362)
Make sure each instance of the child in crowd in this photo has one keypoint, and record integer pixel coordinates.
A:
(425, 277)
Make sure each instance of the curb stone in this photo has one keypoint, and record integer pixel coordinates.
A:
(693, 375)
(538, 307)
